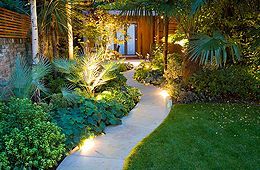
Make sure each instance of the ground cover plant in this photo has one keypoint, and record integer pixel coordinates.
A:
(28, 139)
(201, 136)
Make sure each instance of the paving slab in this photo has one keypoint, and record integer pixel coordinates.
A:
(110, 150)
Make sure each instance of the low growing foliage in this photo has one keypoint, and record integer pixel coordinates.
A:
(127, 96)
(87, 118)
(28, 138)
(229, 83)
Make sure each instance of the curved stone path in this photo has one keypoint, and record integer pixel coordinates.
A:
(110, 150)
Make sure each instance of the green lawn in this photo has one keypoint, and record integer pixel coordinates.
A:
(202, 136)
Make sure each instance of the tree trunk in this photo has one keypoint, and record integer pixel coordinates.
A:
(70, 33)
(189, 68)
(54, 44)
(165, 47)
(35, 38)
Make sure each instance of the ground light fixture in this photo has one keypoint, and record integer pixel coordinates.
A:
(167, 98)
(87, 145)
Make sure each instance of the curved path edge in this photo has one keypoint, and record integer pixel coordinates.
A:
(110, 150)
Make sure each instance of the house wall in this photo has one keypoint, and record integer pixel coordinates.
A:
(145, 35)
(150, 31)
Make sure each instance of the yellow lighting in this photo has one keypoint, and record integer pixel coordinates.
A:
(87, 144)
(164, 94)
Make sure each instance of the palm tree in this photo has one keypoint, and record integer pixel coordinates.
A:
(52, 23)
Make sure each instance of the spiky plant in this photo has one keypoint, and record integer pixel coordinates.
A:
(87, 72)
(26, 80)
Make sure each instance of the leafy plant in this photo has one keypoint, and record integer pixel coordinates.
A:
(86, 118)
(216, 48)
(173, 76)
(118, 82)
(73, 124)
(28, 138)
(25, 80)
(39, 146)
(127, 96)
(88, 72)
(125, 66)
(4, 163)
(149, 74)
(229, 83)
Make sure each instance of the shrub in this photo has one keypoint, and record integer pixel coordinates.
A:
(29, 139)
(125, 66)
(233, 82)
(117, 82)
(55, 82)
(4, 163)
(35, 147)
(147, 73)
(173, 76)
(127, 96)
(21, 113)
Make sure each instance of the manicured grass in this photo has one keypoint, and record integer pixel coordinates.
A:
(202, 136)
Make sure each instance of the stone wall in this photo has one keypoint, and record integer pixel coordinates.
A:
(9, 50)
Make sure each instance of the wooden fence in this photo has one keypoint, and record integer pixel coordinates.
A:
(13, 25)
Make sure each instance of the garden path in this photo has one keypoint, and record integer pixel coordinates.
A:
(107, 152)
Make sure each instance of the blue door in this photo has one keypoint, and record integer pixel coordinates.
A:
(127, 39)
(131, 34)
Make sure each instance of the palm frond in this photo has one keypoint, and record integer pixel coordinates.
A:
(69, 94)
(216, 47)
(64, 65)
(41, 69)
(21, 79)
(25, 79)
(197, 4)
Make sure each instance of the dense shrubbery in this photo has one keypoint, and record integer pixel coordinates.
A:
(148, 73)
(28, 139)
(127, 96)
(232, 83)
(125, 66)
